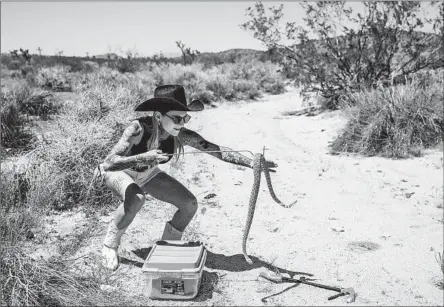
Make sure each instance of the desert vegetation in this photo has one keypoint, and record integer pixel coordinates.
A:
(56, 172)
(378, 66)
(384, 74)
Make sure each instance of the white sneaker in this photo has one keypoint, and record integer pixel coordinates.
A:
(110, 259)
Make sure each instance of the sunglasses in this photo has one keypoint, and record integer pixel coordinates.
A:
(178, 119)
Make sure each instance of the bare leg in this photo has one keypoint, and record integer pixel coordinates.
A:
(165, 188)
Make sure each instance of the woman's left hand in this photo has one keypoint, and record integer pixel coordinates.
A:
(270, 165)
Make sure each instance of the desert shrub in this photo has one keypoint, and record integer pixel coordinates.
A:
(224, 87)
(16, 74)
(393, 122)
(192, 77)
(5, 60)
(221, 86)
(32, 101)
(22, 206)
(40, 103)
(75, 160)
(26, 194)
(245, 90)
(273, 86)
(90, 66)
(104, 94)
(17, 218)
(56, 78)
(14, 64)
(60, 176)
(23, 280)
(167, 73)
(205, 96)
(340, 51)
(29, 73)
(27, 70)
(129, 64)
(28, 282)
(140, 88)
(14, 131)
(80, 143)
(229, 81)
(72, 64)
(265, 74)
(196, 89)
(126, 65)
(427, 77)
(5, 72)
(440, 259)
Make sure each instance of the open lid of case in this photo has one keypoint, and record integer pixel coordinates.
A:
(174, 255)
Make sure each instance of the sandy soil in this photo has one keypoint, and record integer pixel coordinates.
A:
(369, 223)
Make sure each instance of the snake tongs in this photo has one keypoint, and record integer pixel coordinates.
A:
(349, 292)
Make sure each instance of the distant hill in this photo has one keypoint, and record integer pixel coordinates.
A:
(237, 52)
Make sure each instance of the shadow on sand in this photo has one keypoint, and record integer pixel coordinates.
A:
(233, 263)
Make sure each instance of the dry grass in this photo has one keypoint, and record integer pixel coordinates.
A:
(26, 281)
(14, 133)
(440, 260)
(394, 122)
(20, 101)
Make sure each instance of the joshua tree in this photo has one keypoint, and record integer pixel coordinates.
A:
(187, 52)
(192, 53)
(25, 54)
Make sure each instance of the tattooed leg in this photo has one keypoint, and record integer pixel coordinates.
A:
(124, 187)
(132, 197)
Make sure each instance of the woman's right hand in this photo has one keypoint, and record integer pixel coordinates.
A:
(154, 156)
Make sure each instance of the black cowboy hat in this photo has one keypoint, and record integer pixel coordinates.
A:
(169, 98)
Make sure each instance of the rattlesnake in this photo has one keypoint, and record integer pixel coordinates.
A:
(259, 165)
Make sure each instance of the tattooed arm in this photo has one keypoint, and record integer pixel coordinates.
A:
(193, 139)
(117, 159)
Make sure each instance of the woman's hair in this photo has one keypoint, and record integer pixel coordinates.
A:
(178, 148)
(153, 141)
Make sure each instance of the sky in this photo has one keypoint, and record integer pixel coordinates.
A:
(147, 28)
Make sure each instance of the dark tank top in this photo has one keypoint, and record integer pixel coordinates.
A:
(166, 146)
